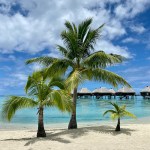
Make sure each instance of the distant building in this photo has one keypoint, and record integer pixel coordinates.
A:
(102, 91)
(125, 92)
(146, 92)
(84, 92)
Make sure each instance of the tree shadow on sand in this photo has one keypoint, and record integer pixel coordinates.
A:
(75, 133)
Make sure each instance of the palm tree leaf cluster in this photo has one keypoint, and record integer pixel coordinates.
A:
(41, 93)
(80, 61)
(79, 56)
(119, 111)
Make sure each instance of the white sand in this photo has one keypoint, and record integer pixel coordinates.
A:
(132, 137)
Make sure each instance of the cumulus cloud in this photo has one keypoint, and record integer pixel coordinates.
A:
(36, 67)
(13, 80)
(20, 76)
(30, 26)
(137, 28)
(44, 21)
(108, 47)
(130, 40)
(130, 8)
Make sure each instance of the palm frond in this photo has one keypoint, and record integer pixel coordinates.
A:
(123, 107)
(46, 61)
(119, 111)
(83, 28)
(126, 113)
(59, 67)
(90, 40)
(14, 103)
(69, 26)
(74, 79)
(117, 108)
(105, 77)
(102, 60)
(57, 82)
(61, 99)
(34, 80)
(70, 40)
(109, 111)
(114, 116)
(75, 29)
(63, 50)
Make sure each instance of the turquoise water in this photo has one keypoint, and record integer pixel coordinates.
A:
(88, 110)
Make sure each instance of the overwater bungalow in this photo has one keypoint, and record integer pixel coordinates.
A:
(112, 93)
(101, 92)
(125, 92)
(146, 92)
(84, 92)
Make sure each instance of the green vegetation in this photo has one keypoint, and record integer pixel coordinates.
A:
(41, 93)
(118, 112)
(79, 62)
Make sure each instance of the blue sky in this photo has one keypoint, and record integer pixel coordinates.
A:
(31, 28)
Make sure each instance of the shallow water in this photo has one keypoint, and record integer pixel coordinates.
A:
(88, 110)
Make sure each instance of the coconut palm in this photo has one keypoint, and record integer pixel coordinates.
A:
(118, 112)
(80, 62)
(41, 94)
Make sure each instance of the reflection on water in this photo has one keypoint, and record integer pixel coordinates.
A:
(88, 110)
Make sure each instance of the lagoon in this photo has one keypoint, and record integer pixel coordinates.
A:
(88, 111)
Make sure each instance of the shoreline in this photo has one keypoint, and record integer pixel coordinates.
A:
(124, 122)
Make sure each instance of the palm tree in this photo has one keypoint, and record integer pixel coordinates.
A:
(80, 62)
(41, 94)
(118, 112)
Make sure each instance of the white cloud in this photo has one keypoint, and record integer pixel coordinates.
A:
(108, 47)
(130, 8)
(41, 29)
(137, 28)
(20, 76)
(42, 26)
(13, 80)
(113, 29)
(130, 40)
(35, 67)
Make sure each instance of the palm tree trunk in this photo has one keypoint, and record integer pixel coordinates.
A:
(41, 130)
(118, 125)
(73, 121)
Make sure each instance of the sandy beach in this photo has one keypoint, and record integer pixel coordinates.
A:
(132, 137)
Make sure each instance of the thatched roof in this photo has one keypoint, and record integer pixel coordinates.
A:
(126, 90)
(84, 90)
(95, 91)
(146, 89)
(112, 91)
(101, 90)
